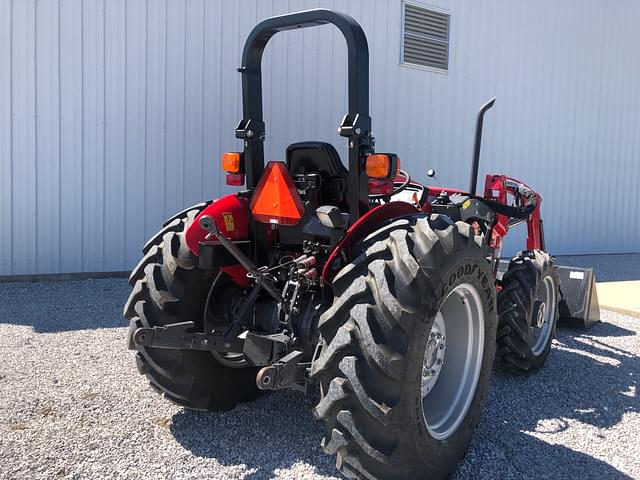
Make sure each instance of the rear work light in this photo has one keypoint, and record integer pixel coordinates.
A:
(275, 199)
(382, 165)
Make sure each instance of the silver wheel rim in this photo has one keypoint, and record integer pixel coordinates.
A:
(544, 312)
(452, 363)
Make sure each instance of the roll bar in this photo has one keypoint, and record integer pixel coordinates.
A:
(356, 124)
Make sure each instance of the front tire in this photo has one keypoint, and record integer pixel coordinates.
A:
(168, 287)
(528, 312)
(409, 283)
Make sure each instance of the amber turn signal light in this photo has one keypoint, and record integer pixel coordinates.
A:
(382, 165)
(232, 162)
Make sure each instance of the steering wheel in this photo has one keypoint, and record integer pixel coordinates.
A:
(397, 186)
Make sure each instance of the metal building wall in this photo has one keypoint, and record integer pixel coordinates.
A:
(113, 113)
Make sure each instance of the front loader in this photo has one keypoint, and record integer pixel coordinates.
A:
(385, 294)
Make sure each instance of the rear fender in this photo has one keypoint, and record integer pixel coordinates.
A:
(341, 255)
(231, 215)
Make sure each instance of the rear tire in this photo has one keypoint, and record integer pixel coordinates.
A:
(530, 288)
(378, 421)
(168, 287)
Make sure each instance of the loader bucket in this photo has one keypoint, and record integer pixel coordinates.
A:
(579, 305)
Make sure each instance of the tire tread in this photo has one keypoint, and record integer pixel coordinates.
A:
(515, 307)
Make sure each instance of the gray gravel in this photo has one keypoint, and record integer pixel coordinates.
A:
(72, 405)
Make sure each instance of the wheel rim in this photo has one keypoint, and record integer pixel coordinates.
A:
(543, 315)
(452, 364)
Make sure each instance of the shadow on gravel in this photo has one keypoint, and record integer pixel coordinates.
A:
(50, 307)
(586, 380)
(275, 432)
(594, 384)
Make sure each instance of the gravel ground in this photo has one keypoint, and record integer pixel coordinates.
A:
(72, 405)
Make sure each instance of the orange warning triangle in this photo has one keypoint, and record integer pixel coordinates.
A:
(276, 199)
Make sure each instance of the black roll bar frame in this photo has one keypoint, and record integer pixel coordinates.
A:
(356, 124)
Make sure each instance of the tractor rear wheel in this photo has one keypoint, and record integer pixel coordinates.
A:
(168, 287)
(528, 312)
(408, 348)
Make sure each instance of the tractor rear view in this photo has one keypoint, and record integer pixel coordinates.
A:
(385, 294)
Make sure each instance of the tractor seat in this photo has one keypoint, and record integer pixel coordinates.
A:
(322, 158)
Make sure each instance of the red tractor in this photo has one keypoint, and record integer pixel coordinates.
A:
(383, 292)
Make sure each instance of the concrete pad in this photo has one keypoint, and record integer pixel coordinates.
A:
(621, 297)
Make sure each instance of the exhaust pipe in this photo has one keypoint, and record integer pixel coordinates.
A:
(476, 145)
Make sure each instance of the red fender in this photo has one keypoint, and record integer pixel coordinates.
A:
(366, 224)
(231, 215)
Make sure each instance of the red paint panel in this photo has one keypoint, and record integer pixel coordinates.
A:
(238, 274)
(497, 188)
(231, 215)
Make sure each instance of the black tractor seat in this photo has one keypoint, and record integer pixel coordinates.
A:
(322, 158)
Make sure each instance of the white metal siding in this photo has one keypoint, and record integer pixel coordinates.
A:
(113, 113)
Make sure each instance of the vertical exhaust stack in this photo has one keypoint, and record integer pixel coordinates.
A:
(477, 144)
